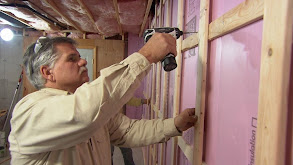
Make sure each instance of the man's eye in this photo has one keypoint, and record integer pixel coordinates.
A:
(73, 59)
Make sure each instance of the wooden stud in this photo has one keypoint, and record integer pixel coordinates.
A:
(178, 71)
(190, 42)
(166, 84)
(18, 19)
(115, 3)
(245, 13)
(152, 109)
(186, 149)
(274, 82)
(89, 14)
(201, 81)
(58, 11)
(147, 11)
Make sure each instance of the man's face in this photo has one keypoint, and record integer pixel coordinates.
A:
(70, 70)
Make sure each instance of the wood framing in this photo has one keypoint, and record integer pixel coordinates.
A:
(18, 19)
(201, 81)
(245, 13)
(166, 84)
(186, 149)
(147, 11)
(117, 16)
(177, 89)
(89, 14)
(57, 10)
(190, 42)
(274, 82)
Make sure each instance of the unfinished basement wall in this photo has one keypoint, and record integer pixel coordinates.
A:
(10, 70)
(219, 73)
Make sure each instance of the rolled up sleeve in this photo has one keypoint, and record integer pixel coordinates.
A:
(127, 132)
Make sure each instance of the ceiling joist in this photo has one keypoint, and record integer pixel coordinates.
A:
(41, 14)
(147, 11)
(89, 14)
(117, 16)
(18, 19)
(57, 10)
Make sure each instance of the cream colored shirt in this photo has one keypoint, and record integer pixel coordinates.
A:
(52, 126)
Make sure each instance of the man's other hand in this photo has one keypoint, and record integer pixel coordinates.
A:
(185, 119)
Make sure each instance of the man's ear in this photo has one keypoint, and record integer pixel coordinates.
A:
(47, 73)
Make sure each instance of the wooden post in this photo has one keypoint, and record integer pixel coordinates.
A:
(201, 81)
(274, 82)
(177, 78)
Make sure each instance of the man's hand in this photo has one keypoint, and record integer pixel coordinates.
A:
(158, 46)
(185, 119)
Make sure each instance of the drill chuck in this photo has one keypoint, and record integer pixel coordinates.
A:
(169, 62)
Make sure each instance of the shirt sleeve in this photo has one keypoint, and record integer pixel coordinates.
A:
(128, 132)
(45, 121)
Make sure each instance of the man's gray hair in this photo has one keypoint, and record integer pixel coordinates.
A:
(42, 53)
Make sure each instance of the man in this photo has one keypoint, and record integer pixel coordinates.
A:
(72, 122)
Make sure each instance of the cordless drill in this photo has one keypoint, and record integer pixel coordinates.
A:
(169, 62)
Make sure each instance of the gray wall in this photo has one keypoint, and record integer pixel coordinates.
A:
(10, 68)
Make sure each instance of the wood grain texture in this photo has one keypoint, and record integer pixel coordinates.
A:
(274, 82)
(245, 13)
(201, 81)
(190, 42)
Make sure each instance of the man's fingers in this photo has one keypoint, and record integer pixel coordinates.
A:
(192, 119)
(191, 111)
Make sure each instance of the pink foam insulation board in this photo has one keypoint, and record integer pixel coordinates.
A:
(134, 44)
(232, 95)
(189, 70)
(232, 88)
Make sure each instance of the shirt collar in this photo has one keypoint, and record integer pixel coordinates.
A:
(56, 91)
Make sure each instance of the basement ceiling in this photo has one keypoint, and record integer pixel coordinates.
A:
(105, 18)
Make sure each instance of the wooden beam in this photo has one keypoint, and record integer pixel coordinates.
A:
(153, 99)
(166, 84)
(178, 72)
(201, 80)
(147, 11)
(274, 82)
(190, 42)
(58, 11)
(18, 19)
(117, 16)
(245, 13)
(89, 14)
(186, 149)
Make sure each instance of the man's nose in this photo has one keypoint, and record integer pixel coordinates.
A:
(82, 62)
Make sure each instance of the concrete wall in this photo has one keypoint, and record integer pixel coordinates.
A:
(11, 53)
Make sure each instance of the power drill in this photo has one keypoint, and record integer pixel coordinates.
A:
(169, 62)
